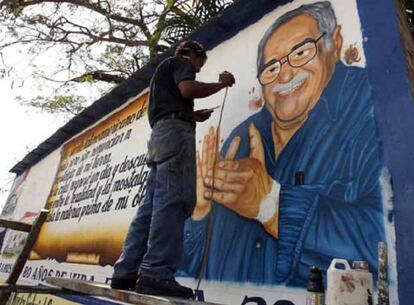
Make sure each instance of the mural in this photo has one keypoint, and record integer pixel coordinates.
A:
(101, 178)
(293, 177)
(317, 124)
(8, 238)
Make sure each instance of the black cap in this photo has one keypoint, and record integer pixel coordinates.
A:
(187, 46)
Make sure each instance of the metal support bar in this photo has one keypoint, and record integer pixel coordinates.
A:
(383, 289)
(102, 290)
(34, 289)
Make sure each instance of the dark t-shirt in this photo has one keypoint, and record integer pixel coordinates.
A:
(165, 97)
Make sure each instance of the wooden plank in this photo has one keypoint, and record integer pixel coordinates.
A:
(15, 225)
(103, 290)
(23, 256)
(30, 240)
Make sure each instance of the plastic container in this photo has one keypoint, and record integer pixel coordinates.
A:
(347, 286)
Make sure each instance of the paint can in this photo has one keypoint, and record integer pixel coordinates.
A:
(315, 291)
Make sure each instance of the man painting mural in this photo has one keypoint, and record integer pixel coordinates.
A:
(152, 249)
(318, 120)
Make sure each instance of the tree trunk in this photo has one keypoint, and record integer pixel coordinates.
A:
(407, 39)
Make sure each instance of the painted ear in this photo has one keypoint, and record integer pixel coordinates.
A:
(337, 42)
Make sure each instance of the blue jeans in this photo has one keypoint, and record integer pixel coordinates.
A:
(154, 243)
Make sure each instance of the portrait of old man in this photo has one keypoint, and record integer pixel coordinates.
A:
(263, 223)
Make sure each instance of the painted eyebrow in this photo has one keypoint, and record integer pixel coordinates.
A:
(297, 46)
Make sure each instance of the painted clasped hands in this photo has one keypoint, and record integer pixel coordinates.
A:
(241, 185)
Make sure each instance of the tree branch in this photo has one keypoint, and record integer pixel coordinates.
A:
(99, 76)
(86, 4)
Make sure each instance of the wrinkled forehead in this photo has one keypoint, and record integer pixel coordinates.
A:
(290, 34)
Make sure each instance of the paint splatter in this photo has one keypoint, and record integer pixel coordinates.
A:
(352, 54)
(255, 100)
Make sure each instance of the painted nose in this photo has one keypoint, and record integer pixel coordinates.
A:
(286, 74)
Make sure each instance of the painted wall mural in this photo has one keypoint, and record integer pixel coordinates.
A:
(12, 241)
(101, 173)
(293, 177)
(317, 121)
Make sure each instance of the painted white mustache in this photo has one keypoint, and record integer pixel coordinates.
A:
(292, 84)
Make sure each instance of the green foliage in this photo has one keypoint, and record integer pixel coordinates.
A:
(90, 42)
(72, 104)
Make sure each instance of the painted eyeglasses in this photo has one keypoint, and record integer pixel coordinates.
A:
(300, 55)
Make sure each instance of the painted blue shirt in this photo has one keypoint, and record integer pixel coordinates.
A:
(336, 214)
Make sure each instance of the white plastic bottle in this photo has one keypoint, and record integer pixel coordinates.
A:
(347, 286)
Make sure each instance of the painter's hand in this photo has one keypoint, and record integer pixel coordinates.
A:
(202, 115)
(241, 185)
(210, 156)
(227, 79)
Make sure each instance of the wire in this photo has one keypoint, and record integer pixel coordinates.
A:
(203, 266)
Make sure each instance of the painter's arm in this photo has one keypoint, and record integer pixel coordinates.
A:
(195, 89)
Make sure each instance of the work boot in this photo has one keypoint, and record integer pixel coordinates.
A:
(123, 284)
(163, 287)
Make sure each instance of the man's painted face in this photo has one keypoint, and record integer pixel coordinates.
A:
(296, 90)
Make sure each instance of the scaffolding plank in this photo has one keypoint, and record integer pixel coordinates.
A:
(103, 290)
(24, 254)
(15, 225)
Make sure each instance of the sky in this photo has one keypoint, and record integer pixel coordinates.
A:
(22, 129)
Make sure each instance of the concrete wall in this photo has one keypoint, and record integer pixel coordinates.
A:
(349, 111)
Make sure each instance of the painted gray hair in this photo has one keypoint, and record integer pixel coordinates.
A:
(323, 13)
